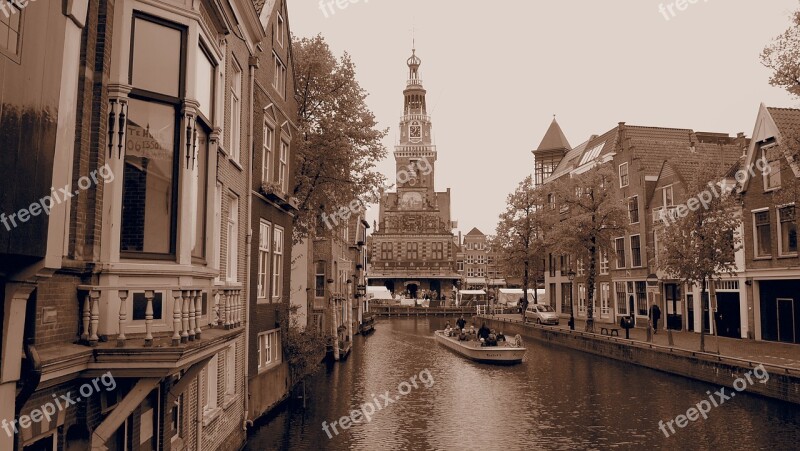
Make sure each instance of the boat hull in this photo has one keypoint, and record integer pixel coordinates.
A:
(499, 355)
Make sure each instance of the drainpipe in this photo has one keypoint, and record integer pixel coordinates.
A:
(253, 66)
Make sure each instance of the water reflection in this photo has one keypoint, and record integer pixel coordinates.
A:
(556, 399)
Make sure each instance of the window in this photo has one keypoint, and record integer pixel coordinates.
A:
(205, 74)
(581, 268)
(230, 371)
(412, 251)
(319, 280)
(211, 386)
(788, 230)
(553, 295)
(581, 299)
(200, 194)
(264, 237)
(438, 251)
(10, 24)
(772, 177)
(269, 141)
(623, 175)
(233, 239)
(622, 298)
(279, 82)
(236, 110)
(150, 182)
(636, 251)
(592, 153)
(283, 167)
(280, 30)
(566, 264)
(269, 349)
(386, 251)
(461, 266)
(217, 250)
(641, 298)
(566, 290)
(176, 417)
(603, 262)
(551, 201)
(605, 289)
(471, 272)
(620, 248)
(277, 264)
(552, 265)
(763, 234)
(668, 197)
(633, 209)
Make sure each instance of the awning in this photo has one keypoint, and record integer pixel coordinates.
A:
(497, 282)
(468, 292)
(475, 281)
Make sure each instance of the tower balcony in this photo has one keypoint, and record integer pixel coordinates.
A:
(415, 117)
(414, 82)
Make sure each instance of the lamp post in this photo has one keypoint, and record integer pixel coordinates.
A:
(571, 276)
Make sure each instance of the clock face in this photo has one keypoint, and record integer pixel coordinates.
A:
(415, 131)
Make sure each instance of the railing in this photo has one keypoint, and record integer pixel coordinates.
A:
(103, 316)
(415, 117)
(414, 82)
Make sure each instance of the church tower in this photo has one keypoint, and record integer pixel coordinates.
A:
(415, 155)
(413, 249)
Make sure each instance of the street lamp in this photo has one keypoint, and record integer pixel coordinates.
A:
(571, 276)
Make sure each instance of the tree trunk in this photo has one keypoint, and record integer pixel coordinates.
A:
(703, 297)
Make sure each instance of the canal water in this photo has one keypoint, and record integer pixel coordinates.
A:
(556, 399)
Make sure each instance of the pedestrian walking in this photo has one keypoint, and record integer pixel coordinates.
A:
(655, 315)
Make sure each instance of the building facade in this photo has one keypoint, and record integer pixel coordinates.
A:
(413, 249)
(139, 277)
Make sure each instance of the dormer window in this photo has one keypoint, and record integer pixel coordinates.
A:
(772, 171)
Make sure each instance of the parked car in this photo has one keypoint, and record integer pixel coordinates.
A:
(541, 314)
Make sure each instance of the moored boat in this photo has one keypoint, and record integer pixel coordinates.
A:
(506, 352)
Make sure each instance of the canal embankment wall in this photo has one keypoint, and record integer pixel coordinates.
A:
(783, 383)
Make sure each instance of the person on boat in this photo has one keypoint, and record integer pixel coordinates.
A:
(463, 335)
(483, 332)
(447, 325)
(501, 336)
(472, 330)
(461, 322)
(491, 340)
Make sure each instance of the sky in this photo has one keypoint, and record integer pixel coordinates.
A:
(496, 73)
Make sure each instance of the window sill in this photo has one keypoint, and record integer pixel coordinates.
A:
(766, 257)
(269, 367)
(785, 256)
(210, 415)
(236, 164)
(228, 401)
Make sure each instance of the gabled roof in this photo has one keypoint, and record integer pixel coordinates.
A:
(554, 139)
(475, 232)
(568, 162)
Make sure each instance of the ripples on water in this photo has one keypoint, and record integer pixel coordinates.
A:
(556, 399)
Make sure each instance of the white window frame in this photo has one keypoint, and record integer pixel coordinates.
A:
(267, 171)
(217, 247)
(641, 260)
(778, 209)
(232, 265)
(283, 166)
(279, 81)
(616, 253)
(269, 349)
(638, 210)
(605, 296)
(603, 262)
(581, 299)
(773, 172)
(627, 175)
(756, 255)
(210, 402)
(264, 247)
(277, 263)
(236, 111)
(230, 374)
(671, 196)
(280, 30)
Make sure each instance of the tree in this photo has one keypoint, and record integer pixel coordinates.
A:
(304, 347)
(519, 240)
(590, 215)
(782, 56)
(703, 238)
(339, 143)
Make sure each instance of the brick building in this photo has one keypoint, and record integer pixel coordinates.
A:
(647, 161)
(141, 274)
(413, 249)
(770, 227)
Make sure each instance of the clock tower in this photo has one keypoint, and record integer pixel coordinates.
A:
(413, 250)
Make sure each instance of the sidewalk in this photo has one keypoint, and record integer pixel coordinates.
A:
(780, 354)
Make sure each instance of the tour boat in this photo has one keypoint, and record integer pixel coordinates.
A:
(506, 352)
